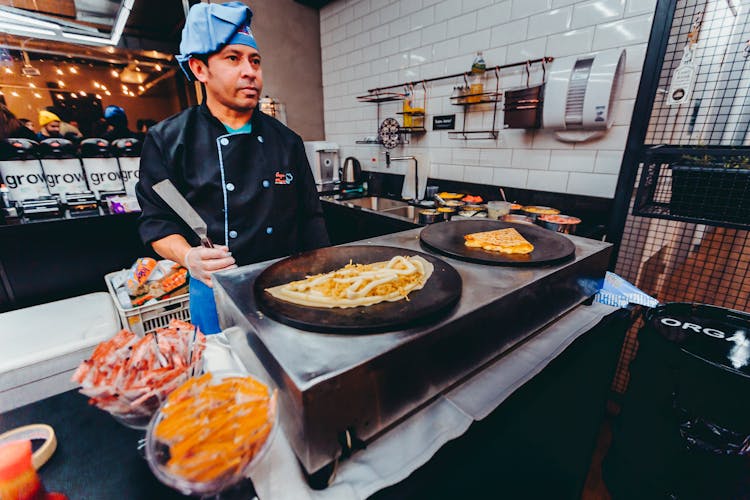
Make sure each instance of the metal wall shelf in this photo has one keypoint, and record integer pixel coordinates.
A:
(484, 98)
(380, 95)
(473, 135)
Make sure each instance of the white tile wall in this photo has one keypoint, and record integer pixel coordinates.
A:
(510, 177)
(372, 43)
(549, 22)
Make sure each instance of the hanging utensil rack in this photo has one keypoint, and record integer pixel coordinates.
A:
(380, 95)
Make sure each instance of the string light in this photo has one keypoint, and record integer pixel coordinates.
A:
(141, 88)
(108, 92)
(96, 85)
(32, 85)
(60, 96)
(158, 67)
(37, 95)
(59, 71)
(73, 70)
(14, 93)
(115, 73)
(82, 93)
(73, 96)
(98, 97)
(9, 71)
(61, 84)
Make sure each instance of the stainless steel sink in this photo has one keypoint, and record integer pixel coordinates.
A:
(376, 203)
(408, 211)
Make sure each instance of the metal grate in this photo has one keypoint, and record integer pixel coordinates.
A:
(708, 185)
(686, 237)
(711, 40)
(678, 261)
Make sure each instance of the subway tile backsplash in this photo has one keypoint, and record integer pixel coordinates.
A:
(374, 43)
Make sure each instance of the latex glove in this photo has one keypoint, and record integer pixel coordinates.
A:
(202, 262)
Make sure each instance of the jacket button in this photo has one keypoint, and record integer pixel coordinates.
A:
(230, 186)
(269, 230)
(232, 234)
(266, 183)
(224, 141)
(260, 138)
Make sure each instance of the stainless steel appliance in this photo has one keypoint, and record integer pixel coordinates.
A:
(359, 385)
(350, 173)
(324, 161)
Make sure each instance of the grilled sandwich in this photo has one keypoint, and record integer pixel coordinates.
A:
(507, 241)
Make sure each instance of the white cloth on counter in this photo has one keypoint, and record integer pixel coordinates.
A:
(393, 456)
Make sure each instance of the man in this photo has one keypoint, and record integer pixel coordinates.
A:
(28, 124)
(117, 124)
(244, 172)
(50, 125)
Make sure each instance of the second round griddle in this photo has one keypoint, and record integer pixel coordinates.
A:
(448, 238)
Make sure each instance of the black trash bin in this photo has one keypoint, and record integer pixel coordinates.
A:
(685, 423)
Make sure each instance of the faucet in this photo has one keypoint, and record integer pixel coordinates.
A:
(389, 159)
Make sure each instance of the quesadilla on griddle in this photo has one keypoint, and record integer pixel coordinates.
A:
(357, 285)
(506, 240)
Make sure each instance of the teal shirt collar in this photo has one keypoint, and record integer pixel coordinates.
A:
(245, 129)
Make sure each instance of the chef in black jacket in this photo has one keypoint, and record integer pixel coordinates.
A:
(243, 171)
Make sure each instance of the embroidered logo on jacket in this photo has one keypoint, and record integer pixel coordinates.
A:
(284, 178)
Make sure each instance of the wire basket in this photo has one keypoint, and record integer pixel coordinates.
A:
(148, 318)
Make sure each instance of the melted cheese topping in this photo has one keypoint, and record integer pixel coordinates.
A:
(358, 284)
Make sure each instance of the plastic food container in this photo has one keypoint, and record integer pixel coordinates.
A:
(496, 209)
(158, 452)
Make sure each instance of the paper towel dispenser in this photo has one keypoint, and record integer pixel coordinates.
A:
(580, 93)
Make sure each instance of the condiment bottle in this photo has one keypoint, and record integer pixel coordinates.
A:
(18, 478)
(476, 87)
(407, 110)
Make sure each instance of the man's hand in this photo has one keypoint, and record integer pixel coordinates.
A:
(202, 262)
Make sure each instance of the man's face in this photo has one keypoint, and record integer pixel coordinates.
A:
(53, 128)
(232, 77)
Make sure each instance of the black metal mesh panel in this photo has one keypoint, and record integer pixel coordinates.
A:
(687, 237)
(718, 109)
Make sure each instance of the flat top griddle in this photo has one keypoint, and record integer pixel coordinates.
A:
(448, 238)
(441, 292)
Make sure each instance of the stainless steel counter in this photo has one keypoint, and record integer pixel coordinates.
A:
(365, 383)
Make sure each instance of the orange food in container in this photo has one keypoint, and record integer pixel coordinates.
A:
(211, 432)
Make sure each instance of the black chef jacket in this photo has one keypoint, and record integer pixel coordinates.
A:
(255, 191)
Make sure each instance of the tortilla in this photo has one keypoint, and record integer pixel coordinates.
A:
(357, 285)
(506, 240)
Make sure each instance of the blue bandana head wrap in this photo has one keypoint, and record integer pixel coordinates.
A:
(209, 27)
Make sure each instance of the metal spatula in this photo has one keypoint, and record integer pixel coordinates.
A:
(166, 190)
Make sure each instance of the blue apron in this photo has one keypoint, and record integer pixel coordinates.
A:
(203, 307)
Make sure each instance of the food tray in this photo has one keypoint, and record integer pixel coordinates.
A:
(148, 318)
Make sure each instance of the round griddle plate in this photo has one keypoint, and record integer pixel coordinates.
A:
(448, 238)
(441, 291)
